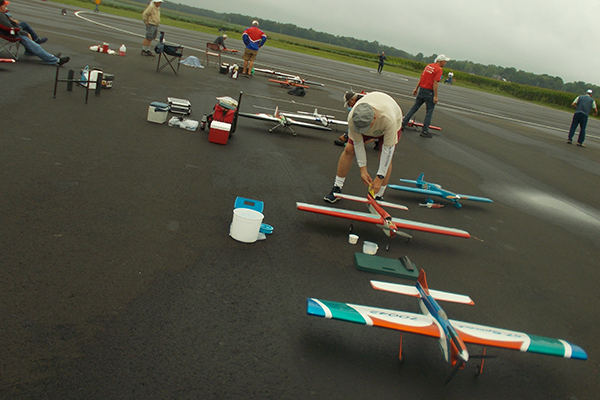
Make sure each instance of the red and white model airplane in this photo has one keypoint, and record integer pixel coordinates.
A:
(452, 335)
(380, 217)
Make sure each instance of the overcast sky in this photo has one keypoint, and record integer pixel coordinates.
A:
(554, 37)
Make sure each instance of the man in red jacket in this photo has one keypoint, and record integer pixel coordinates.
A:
(254, 39)
(427, 89)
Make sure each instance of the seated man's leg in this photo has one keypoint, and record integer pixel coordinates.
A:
(37, 50)
(25, 27)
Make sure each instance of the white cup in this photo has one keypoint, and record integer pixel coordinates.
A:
(370, 248)
(352, 238)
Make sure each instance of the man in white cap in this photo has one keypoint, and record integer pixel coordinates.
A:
(220, 40)
(427, 92)
(583, 104)
(151, 17)
(254, 39)
(375, 115)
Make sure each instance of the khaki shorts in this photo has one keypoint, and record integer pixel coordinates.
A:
(249, 55)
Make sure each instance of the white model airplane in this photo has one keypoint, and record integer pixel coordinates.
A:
(315, 116)
(283, 121)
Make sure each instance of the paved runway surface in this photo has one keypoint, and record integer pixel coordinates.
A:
(119, 279)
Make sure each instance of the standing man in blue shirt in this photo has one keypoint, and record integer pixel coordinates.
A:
(583, 104)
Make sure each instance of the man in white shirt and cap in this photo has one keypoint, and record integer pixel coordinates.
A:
(376, 115)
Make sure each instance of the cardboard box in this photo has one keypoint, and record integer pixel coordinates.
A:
(219, 132)
(158, 112)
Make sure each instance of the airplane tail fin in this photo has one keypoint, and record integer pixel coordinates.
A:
(276, 115)
(423, 279)
(421, 177)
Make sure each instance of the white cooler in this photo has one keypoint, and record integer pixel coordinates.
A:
(158, 112)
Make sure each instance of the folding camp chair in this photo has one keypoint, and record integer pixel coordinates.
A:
(212, 50)
(169, 53)
(10, 40)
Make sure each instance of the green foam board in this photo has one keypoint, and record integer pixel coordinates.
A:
(383, 265)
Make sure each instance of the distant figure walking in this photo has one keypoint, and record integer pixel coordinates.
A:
(583, 104)
(151, 17)
(427, 90)
(254, 39)
(381, 62)
(97, 2)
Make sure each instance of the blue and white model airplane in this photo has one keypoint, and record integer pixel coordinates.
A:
(433, 189)
(451, 334)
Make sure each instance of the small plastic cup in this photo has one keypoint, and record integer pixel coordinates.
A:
(370, 248)
(352, 238)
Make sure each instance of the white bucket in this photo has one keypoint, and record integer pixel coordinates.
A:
(245, 225)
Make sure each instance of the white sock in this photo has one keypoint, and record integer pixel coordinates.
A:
(339, 181)
(381, 191)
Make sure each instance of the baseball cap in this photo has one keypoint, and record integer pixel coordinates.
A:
(590, 91)
(255, 23)
(347, 97)
(224, 36)
(157, 1)
(362, 117)
(442, 57)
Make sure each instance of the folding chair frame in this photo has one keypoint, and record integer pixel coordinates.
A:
(170, 53)
(212, 50)
(8, 40)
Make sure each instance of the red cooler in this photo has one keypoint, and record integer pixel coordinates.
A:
(219, 132)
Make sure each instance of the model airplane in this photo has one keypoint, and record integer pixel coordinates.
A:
(433, 189)
(282, 121)
(290, 77)
(380, 217)
(290, 82)
(413, 124)
(452, 335)
(325, 120)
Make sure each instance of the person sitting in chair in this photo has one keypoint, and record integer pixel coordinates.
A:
(220, 40)
(25, 27)
(31, 46)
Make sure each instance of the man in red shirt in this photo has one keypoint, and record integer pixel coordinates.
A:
(427, 89)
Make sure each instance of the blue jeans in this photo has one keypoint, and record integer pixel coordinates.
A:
(26, 28)
(424, 96)
(37, 50)
(580, 119)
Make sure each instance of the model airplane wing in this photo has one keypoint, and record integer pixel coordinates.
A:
(372, 316)
(425, 325)
(413, 291)
(474, 198)
(415, 190)
(364, 200)
(263, 117)
(7, 60)
(308, 125)
(423, 227)
(341, 213)
(513, 340)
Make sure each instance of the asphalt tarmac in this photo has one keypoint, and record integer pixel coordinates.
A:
(119, 279)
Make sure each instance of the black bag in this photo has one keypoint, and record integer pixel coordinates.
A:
(297, 91)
